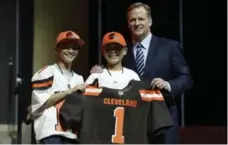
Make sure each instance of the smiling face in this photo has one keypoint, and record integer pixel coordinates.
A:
(139, 22)
(68, 52)
(114, 53)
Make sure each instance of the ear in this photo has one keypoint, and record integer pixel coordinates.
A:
(128, 26)
(150, 22)
(57, 50)
(125, 51)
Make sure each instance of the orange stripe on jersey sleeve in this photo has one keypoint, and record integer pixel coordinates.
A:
(151, 95)
(92, 91)
(42, 84)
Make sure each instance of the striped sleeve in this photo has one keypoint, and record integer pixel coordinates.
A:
(92, 91)
(41, 88)
(42, 84)
(151, 95)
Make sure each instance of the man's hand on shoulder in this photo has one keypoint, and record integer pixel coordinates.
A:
(97, 69)
(160, 83)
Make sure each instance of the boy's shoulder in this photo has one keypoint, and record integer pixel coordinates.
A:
(131, 73)
(44, 72)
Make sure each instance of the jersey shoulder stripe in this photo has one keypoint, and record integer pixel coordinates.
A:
(92, 91)
(42, 84)
(43, 79)
(151, 95)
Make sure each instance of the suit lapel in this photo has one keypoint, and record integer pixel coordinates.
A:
(151, 56)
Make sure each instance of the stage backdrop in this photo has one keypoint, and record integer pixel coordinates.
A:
(52, 17)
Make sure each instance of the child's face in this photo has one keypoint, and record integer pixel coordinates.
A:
(68, 53)
(114, 53)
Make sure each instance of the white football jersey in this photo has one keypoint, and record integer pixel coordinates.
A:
(46, 82)
(113, 79)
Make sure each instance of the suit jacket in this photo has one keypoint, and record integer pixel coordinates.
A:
(165, 60)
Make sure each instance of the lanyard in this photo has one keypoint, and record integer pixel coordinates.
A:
(68, 85)
(115, 81)
(110, 73)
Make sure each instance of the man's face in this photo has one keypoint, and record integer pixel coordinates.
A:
(68, 52)
(114, 53)
(139, 22)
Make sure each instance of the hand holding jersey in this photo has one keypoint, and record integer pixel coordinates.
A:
(80, 87)
(51, 85)
(55, 98)
(117, 106)
(129, 115)
(161, 84)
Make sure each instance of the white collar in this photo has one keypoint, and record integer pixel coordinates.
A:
(145, 42)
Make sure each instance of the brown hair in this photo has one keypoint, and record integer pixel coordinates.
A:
(137, 5)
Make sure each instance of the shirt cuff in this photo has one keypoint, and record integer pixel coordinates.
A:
(169, 87)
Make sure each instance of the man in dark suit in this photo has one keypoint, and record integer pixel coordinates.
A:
(156, 59)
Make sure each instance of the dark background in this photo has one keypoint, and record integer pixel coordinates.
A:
(204, 44)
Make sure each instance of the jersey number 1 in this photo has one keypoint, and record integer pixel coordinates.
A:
(119, 115)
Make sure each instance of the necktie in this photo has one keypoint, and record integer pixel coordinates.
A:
(140, 60)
